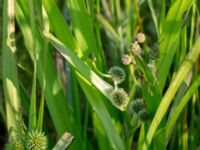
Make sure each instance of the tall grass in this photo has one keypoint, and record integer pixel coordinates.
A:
(60, 86)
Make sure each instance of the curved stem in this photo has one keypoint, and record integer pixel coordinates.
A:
(99, 72)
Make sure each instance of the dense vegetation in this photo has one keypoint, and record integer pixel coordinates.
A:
(99, 74)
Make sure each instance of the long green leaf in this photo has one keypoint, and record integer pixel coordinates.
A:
(67, 38)
(83, 28)
(103, 115)
(170, 38)
(60, 27)
(180, 93)
(10, 79)
(88, 76)
(168, 97)
(45, 24)
(108, 27)
(53, 93)
(153, 15)
(32, 111)
(84, 70)
(182, 104)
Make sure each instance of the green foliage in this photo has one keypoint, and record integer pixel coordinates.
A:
(100, 74)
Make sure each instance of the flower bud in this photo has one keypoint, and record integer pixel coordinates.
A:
(126, 59)
(140, 38)
(135, 47)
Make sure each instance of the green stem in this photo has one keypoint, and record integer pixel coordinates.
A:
(99, 72)
(41, 109)
(133, 88)
(185, 130)
(153, 15)
(86, 117)
(32, 111)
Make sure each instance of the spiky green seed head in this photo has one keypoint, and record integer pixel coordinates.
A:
(16, 139)
(140, 37)
(130, 108)
(36, 140)
(137, 105)
(117, 74)
(15, 145)
(143, 115)
(119, 97)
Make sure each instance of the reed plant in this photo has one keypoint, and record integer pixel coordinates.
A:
(98, 74)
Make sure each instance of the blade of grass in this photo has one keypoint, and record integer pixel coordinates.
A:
(10, 80)
(141, 137)
(83, 69)
(105, 7)
(89, 75)
(32, 111)
(182, 90)
(165, 63)
(118, 11)
(113, 13)
(25, 99)
(83, 26)
(192, 23)
(153, 15)
(171, 29)
(2, 110)
(53, 15)
(129, 16)
(60, 27)
(168, 97)
(102, 113)
(45, 24)
(53, 93)
(108, 27)
(196, 94)
(86, 118)
(162, 16)
(182, 104)
(75, 96)
(84, 29)
(102, 140)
